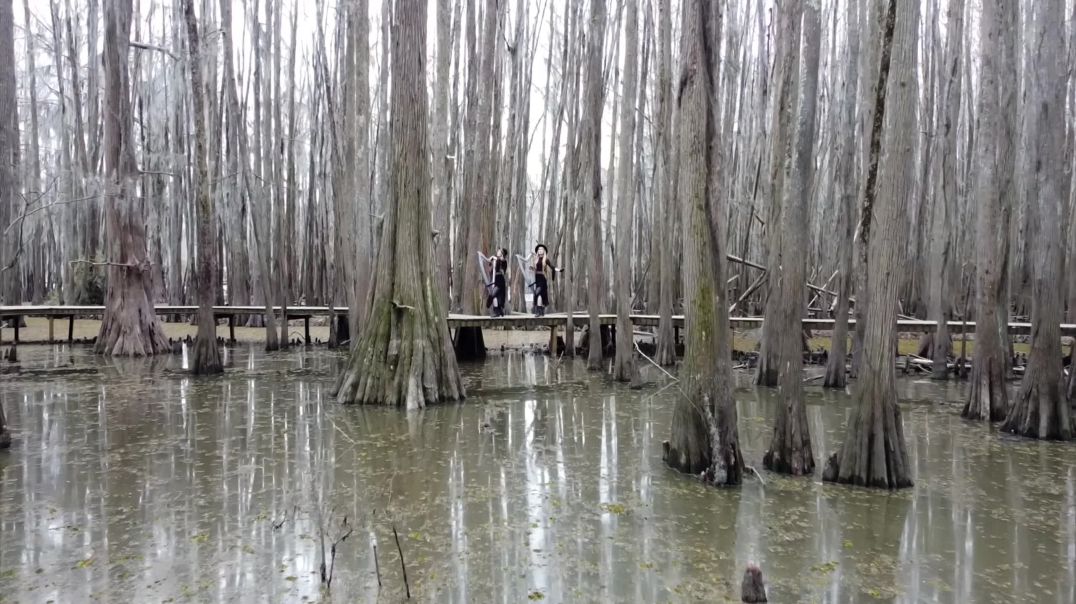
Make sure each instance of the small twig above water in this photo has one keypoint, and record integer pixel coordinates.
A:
(403, 565)
(377, 567)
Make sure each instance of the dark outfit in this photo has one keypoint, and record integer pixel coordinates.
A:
(541, 284)
(500, 287)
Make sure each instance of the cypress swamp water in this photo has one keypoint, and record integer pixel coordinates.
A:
(131, 481)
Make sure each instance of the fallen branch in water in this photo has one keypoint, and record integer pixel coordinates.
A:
(757, 475)
(651, 361)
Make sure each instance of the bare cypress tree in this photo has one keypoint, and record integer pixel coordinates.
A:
(358, 140)
(784, 124)
(404, 357)
(206, 357)
(987, 397)
(869, 137)
(130, 326)
(442, 168)
(1041, 409)
(836, 365)
(790, 450)
(666, 207)
(705, 438)
(874, 452)
(589, 173)
(9, 149)
(944, 180)
(32, 178)
(624, 368)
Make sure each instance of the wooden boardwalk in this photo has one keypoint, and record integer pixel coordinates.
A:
(455, 321)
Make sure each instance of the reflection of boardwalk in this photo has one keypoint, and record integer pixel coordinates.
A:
(514, 320)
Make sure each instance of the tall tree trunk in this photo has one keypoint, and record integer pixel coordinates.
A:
(405, 356)
(790, 450)
(358, 135)
(944, 180)
(1041, 409)
(442, 168)
(874, 452)
(667, 215)
(784, 123)
(987, 397)
(836, 366)
(705, 437)
(10, 240)
(624, 368)
(235, 191)
(206, 357)
(871, 118)
(34, 195)
(130, 326)
(590, 176)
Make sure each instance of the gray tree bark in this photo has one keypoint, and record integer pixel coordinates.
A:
(987, 397)
(404, 357)
(206, 357)
(781, 157)
(836, 365)
(129, 326)
(666, 215)
(624, 368)
(790, 450)
(705, 437)
(589, 193)
(944, 180)
(1041, 409)
(874, 452)
(9, 150)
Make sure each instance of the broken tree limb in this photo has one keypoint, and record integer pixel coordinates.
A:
(763, 268)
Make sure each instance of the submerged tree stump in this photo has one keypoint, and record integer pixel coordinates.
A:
(753, 588)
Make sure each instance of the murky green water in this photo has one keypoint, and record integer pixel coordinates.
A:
(136, 483)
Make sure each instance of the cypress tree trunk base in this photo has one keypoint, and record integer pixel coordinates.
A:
(987, 397)
(205, 359)
(768, 374)
(701, 447)
(130, 326)
(1040, 412)
(666, 352)
(402, 360)
(836, 372)
(874, 453)
(790, 451)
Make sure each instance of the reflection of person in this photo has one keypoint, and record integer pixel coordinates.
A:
(496, 298)
(542, 267)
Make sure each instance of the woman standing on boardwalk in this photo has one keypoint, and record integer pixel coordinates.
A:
(498, 293)
(542, 268)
